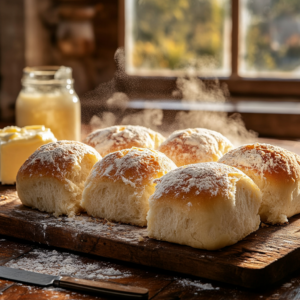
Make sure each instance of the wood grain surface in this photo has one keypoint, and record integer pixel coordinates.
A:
(262, 258)
(161, 284)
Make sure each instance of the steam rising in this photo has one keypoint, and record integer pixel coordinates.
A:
(189, 89)
(193, 89)
(232, 127)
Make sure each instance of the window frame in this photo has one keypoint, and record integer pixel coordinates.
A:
(238, 86)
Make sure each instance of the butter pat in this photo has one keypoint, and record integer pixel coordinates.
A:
(16, 145)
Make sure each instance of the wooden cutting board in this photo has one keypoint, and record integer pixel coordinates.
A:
(262, 258)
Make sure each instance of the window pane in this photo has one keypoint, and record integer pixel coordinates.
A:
(167, 36)
(270, 38)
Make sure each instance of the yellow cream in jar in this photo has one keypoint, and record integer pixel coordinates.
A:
(49, 99)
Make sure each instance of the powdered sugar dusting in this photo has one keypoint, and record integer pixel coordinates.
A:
(195, 145)
(66, 264)
(263, 158)
(116, 138)
(135, 167)
(56, 159)
(211, 178)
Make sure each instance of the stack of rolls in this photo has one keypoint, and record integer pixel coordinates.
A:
(207, 206)
(195, 189)
(52, 179)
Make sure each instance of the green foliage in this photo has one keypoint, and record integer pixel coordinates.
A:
(273, 37)
(174, 34)
(170, 34)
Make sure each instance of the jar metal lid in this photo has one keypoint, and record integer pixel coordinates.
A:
(47, 75)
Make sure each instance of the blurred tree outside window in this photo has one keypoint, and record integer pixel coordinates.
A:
(166, 37)
(175, 35)
(270, 38)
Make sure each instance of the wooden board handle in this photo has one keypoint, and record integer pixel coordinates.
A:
(102, 288)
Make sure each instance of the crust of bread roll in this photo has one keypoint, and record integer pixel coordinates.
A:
(276, 172)
(206, 205)
(119, 186)
(190, 146)
(52, 178)
(115, 138)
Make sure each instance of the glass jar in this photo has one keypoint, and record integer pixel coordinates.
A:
(48, 98)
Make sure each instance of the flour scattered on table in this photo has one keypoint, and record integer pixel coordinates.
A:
(66, 264)
(196, 283)
(87, 225)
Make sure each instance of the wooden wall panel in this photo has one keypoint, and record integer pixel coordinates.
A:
(12, 54)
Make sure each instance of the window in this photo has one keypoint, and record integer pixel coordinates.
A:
(252, 45)
(165, 37)
(270, 38)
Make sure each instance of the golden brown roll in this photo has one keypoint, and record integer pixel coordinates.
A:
(276, 171)
(206, 205)
(117, 138)
(119, 186)
(52, 178)
(190, 146)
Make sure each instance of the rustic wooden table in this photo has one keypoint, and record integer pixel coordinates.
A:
(161, 284)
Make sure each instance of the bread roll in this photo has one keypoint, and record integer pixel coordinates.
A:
(276, 171)
(52, 178)
(119, 186)
(206, 205)
(117, 138)
(195, 145)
